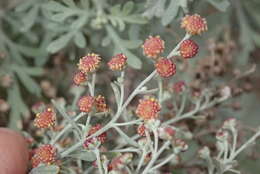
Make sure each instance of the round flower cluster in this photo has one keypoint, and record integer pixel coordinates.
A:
(118, 62)
(194, 24)
(45, 119)
(153, 46)
(79, 78)
(85, 103)
(88, 103)
(165, 67)
(87, 64)
(45, 154)
(188, 49)
(148, 108)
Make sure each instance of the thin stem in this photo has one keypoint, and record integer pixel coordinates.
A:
(226, 150)
(126, 137)
(155, 156)
(128, 123)
(160, 92)
(126, 150)
(155, 133)
(184, 116)
(183, 102)
(65, 129)
(141, 161)
(173, 52)
(169, 158)
(92, 85)
(96, 151)
(122, 88)
(65, 115)
(234, 145)
(245, 145)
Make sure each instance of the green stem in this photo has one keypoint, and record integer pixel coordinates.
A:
(65, 129)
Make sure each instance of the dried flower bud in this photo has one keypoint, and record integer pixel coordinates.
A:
(230, 124)
(86, 103)
(89, 63)
(45, 119)
(38, 107)
(45, 154)
(147, 158)
(165, 67)
(194, 24)
(4, 106)
(142, 142)
(6, 80)
(100, 104)
(225, 92)
(222, 135)
(153, 46)
(120, 161)
(118, 62)
(148, 108)
(179, 145)
(79, 78)
(166, 133)
(204, 152)
(179, 86)
(188, 49)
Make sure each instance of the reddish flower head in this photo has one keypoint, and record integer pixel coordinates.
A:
(179, 86)
(141, 130)
(89, 63)
(153, 46)
(148, 108)
(101, 138)
(188, 49)
(100, 104)
(79, 78)
(165, 67)
(46, 154)
(45, 119)
(194, 24)
(86, 103)
(118, 62)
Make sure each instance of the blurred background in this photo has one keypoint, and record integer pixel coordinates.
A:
(41, 42)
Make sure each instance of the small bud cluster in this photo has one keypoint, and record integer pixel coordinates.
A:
(89, 142)
(188, 49)
(148, 108)
(45, 119)
(120, 162)
(179, 87)
(88, 103)
(45, 154)
(118, 62)
(79, 78)
(165, 67)
(166, 133)
(153, 46)
(194, 24)
(100, 104)
(89, 63)
(85, 103)
(141, 129)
